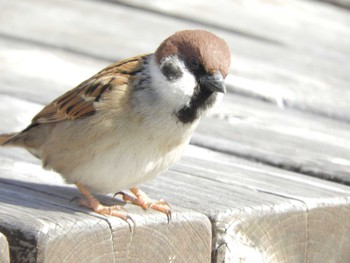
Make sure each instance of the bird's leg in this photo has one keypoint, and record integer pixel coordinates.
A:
(91, 202)
(141, 199)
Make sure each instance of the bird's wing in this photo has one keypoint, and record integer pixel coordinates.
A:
(81, 101)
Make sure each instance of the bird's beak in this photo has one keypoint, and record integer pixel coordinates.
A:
(213, 82)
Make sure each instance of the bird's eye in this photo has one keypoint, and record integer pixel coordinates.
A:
(171, 71)
(193, 64)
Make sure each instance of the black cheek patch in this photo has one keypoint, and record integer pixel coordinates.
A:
(203, 100)
(171, 71)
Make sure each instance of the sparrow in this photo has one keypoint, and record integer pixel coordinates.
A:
(131, 121)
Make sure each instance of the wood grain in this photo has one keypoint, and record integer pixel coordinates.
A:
(226, 208)
(259, 213)
(43, 226)
(283, 138)
(283, 51)
(287, 69)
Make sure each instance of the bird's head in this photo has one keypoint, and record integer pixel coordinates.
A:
(188, 72)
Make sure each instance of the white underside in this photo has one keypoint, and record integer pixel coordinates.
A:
(126, 165)
(119, 158)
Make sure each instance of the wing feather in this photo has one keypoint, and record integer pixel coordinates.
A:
(80, 102)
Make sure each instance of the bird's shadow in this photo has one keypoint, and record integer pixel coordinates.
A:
(49, 197)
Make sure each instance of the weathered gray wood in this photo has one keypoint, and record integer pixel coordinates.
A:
(276, 156)
(308, 61)
(27, 68)
(4, 249)
(283, 51)
(260, 213)
(284, 138)
(43, 226)
(42, 232)
(53, 22)
(253, 20)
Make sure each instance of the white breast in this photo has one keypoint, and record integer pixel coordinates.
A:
(127, 164)
(120, 157)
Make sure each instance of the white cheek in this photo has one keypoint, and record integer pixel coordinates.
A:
(185, 85)
(177, 93)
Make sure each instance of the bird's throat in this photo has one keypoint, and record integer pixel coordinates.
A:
(200, 102)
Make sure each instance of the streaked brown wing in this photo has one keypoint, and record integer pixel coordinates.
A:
(79, 102)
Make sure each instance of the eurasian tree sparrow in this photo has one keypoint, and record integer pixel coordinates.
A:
(131, 121)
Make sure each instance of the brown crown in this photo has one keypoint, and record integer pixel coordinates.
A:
(211, 51)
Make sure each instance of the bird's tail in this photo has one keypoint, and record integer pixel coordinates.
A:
(5, 138)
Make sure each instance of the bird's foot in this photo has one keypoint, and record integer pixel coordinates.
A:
(92, 203)
(97, 207)
(142, 200)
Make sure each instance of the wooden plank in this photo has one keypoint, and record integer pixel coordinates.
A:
(104, 28)
(288, 74)
(4, 249)
(254, 215)
(27, 68)
(293, 187)
(283, 138)
(259, 213)
(39, 232)
(277, 22)
(282, 50)
(43, 226)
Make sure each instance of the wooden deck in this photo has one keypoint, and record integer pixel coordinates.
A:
(266, 177)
